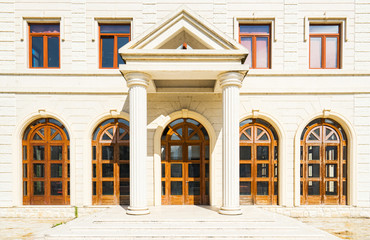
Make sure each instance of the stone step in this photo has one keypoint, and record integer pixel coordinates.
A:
(192, 237)
(195, 232)
(186, 223)
(244, 220)
(177, 225)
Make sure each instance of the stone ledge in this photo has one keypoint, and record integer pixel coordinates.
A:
(47, 211)
(320, 211)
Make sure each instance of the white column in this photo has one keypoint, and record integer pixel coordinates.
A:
(138, 82)
(230, 83)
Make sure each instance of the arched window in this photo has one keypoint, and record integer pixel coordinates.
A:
(323, 163)
(258, 162)
(110, 163)
(46, 163)
(185, 163)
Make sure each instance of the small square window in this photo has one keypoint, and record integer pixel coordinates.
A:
(44, 48)
(324, 46)
(112, 37)
(257, 39)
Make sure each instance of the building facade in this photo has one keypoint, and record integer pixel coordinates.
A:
(221, 103)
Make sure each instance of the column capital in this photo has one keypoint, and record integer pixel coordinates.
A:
(137, 78)
(230, 79)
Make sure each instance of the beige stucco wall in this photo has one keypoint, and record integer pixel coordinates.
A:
(80, 95)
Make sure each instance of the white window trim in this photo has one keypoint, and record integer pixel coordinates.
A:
(24, 35)
(255, 20)
(25, 21)
(95, 21)
(342, 21)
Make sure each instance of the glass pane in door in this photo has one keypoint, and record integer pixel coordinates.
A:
(176, 152)
(176, 187)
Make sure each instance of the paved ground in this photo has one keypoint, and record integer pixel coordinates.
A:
(345, 228)
(20, 228)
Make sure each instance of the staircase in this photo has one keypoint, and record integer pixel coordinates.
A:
(185, 222)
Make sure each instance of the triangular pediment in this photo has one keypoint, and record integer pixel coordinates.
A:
(184, 51)
(184, 26)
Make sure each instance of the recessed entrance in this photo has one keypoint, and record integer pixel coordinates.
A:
(185, 163)
(111, 163)
(258, 163)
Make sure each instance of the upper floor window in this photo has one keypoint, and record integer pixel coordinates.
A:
(256, 38)
(112, 37)
(44, 45)
(324, 46)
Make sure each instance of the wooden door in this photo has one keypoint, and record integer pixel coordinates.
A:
(110, 163)
(323, 163)
(46, 168)
(185, 163)
(258, 163)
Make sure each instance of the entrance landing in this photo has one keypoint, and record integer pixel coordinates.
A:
(185, 222)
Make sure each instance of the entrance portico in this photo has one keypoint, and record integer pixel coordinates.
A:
(184, 54)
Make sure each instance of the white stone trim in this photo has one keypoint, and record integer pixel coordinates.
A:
(342, 21)
(283, 193)
(17, 154)
(25, 21)
(255, 20)
(186, 18)
(24, 35)
(324, 19)
(161, 123)
(87, 173)
(351, 159)
(95, 21)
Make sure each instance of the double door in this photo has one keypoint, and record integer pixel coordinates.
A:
(185, 166)
(258, 166)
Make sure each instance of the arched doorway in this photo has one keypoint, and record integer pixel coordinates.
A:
(185, 163)
(323, 166)
(46, 169)
(258, 162)
(110, 163)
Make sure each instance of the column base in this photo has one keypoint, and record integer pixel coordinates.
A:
(230, 211)
(137, 211)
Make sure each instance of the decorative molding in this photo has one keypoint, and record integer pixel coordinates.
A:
(255, 20)
(230, 79)
(343, 21)
(185, 113)
(42, 112)
(95, 21)
(326, 113)
(137, 78)
(26, 20)
(114, 113)
(255, 113)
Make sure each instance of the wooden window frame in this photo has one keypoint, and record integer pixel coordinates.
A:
(254, 43)
(45, 36)
(323, 37)
(115, 47)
